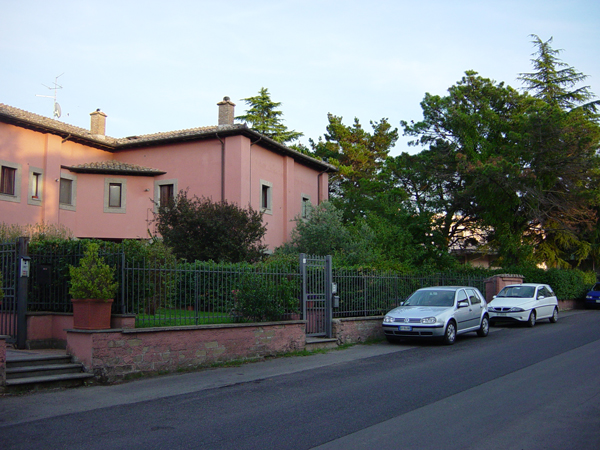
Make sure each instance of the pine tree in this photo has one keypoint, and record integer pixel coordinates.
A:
(553, 80)
(262, 116)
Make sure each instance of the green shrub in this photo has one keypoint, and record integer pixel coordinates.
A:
(92, 279)
(258, 298)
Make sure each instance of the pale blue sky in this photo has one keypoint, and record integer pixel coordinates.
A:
(156, 66)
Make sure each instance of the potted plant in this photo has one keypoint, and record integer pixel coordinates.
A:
(92, 290)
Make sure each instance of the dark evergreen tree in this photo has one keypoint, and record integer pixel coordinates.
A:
(263, 116)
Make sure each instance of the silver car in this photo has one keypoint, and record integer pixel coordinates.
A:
(443, 312)
(526, 303)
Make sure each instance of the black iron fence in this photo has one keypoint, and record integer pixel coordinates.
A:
(208, 293)
(372, 293)
(8, 281)
(49, 275)
(163, 294)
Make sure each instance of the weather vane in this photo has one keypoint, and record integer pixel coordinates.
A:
(57, 111)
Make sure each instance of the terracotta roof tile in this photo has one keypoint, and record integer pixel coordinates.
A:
(114, 167)
(25, 119)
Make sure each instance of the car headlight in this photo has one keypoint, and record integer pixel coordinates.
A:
(388, 319)
(429, 320)
(589, 297)
(516, 309)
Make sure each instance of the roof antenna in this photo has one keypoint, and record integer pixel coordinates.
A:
(57, 111)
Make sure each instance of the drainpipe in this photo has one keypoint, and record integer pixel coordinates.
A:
(222, 167)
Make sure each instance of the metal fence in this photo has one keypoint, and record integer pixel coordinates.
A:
(372, 293)
(161, 294)
(49, 276)
(8, 274)
(207, 293)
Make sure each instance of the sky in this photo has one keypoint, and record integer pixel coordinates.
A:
(156, 66)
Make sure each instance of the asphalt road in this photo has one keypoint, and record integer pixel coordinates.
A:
(519, 388)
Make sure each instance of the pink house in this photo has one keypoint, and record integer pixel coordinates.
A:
(104, 187)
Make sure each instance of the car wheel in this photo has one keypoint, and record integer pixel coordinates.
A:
(531, 320)
(484, 329)
(392, 339)
(554, 317)
(450, 333)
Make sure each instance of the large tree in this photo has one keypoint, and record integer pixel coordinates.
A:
(522, 167)
(555, 82)
(563, 137)
(264, 117)
(359, 155)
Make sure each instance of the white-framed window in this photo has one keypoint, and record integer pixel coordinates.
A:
(115, 195)
(165, 192)
(10, 181)
(67, 192)
(306, 206)
(266, 197)
(36, 183)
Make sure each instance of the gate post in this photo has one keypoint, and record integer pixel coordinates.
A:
(328, 296)
(22, 292)
(303, 287)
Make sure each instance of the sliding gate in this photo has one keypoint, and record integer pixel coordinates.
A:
(317, 294)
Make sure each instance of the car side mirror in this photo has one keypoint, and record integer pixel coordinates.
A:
(541, 297)
(463, 304)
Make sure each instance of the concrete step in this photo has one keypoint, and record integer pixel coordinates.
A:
(29, 373)
(47, 382)
(318, 343)
(40, 371)
(37, 360)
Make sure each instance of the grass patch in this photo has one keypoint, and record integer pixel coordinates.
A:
(178, 317)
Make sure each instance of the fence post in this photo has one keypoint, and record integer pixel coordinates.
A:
(22, 292)
(123, 311)
(328, 295)
(302, 258)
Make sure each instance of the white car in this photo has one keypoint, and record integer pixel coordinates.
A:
(438, 312)
(526, 303)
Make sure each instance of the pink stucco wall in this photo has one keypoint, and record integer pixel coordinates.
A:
(115, 353)
(196, 165)
(48, 326)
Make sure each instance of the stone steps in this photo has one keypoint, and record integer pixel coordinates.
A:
(43, 372)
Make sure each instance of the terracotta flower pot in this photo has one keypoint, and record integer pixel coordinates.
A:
(91, 314)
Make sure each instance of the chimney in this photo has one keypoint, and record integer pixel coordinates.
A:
(226, 108)
(98, 126)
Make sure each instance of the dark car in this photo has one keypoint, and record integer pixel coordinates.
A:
(592, 299)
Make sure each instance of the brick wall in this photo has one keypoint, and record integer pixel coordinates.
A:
(111, 354)
(357, 329)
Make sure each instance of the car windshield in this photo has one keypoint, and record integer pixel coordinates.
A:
(517, 292)
(596, 287)
(431, 298)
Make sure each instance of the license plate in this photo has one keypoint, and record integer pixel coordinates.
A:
(501, 314)
(405, 328)
(598, 301)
